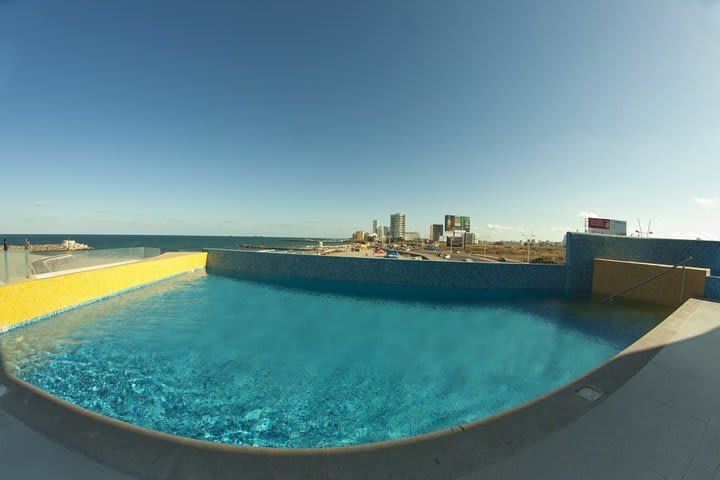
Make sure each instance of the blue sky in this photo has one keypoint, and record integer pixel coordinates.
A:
(315, 117)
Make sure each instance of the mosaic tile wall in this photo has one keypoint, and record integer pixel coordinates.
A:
(573, 279)
(712, 288)
(489, 278)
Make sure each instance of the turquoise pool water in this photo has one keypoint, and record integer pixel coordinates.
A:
(248, 363)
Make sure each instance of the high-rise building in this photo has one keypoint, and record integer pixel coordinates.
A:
(375, 226)
(436, 232)
(397, 225)
(385, 231)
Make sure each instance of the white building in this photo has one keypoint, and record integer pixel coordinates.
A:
(397, 225)
(411, 236)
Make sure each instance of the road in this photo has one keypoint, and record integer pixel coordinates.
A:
(456, 257)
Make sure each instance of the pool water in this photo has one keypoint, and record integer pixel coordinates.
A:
(250, 363)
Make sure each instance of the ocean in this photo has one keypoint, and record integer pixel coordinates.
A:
(171, 243)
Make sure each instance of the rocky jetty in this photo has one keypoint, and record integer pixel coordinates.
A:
(65, 246)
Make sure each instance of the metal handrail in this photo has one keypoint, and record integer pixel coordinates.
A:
(682, 263)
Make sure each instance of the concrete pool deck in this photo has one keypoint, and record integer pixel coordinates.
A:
(658, 418)
(664, 423)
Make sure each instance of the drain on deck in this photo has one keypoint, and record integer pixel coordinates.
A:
(589, 393)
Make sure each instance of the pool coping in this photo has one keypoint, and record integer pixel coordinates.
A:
(447, 453)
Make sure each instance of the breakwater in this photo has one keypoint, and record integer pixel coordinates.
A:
(51, 247)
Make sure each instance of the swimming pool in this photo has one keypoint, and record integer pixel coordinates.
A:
(248, 363)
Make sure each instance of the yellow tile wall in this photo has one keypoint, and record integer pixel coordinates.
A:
(32, 298)
(613, 276)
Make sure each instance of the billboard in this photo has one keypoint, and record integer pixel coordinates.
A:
(606, 226)
(457, 222)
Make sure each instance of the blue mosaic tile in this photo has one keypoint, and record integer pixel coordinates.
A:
(712, 288)
(572, 279)
(481, 277)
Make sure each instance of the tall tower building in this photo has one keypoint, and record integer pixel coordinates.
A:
(397, 225)
(436, 232)
(375, 227)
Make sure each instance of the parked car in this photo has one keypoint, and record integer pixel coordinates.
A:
(392, 254)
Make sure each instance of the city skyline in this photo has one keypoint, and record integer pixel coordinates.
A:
(269, 118)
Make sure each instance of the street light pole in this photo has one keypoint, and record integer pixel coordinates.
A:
(484, 239)
(528, 245)
(527, 239)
